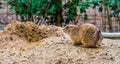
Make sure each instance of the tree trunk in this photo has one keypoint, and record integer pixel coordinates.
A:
(118, 22)
(95, 17)
(109, 20)
(118, 18)
(59, 18)
(30, 17)
(22, 18)
(104, 19)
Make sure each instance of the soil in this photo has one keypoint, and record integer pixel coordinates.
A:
(56, 50)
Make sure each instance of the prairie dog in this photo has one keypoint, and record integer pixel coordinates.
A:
(87, 34)
(90, 35)
(73, 31)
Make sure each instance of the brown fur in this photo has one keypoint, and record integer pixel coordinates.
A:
(73, 31)
(87, 34)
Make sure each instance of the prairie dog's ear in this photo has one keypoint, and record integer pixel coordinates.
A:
(66, 27)
(70, 26)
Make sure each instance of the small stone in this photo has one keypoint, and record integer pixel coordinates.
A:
(92, 56)
(11, 38)
(12, 54)
(111, 58)
(106, 54)
(22, 49)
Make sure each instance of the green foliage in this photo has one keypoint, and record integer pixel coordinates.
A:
(84, 6)
(44, 8)
(113, 5)
(72, 6)
(27, 8)
(0, 5)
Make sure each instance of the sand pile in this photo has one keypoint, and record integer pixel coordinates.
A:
(27, 30)
(54, 48)
(52, 31)
(32, 32)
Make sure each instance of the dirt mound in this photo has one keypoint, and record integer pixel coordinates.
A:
(54, 48)
(51, 31)
(32, 32)
(27, 30)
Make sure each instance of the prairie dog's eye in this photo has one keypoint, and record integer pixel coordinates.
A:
(99, 31)
(65, 27)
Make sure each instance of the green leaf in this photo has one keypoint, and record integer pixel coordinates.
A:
(82, 10)
(95, 4)
(118, 11)
(100, 9)
(23, 1)
(0, 3)
(23, 15)
(52, 9)
(95, 1)
(101, 1)
(118, 1)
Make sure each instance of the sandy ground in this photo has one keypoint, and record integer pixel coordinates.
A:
(56, 50)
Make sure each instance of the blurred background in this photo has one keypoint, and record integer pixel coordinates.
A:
(105, 14)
